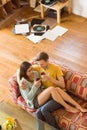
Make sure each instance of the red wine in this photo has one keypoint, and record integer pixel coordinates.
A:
(42, 73)
(37, 79)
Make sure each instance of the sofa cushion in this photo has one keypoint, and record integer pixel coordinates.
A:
(76, 83)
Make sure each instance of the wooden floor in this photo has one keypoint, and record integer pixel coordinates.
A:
(70, 49)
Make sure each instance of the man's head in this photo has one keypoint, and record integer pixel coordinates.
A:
(43, 59)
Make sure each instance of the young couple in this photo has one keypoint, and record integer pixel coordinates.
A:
(32, 80)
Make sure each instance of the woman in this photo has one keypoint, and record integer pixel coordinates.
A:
(34, 94)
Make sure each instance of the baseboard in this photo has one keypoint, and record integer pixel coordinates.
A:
(80, 12)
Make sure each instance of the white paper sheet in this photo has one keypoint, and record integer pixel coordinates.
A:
(54, 33)
(34, 38)
(50, 35)
(21, 28)
(59, 30)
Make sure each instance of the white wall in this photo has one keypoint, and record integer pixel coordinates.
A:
(79, 7)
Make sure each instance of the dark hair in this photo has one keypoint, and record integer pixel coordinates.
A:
(23, 69)
(42, 56)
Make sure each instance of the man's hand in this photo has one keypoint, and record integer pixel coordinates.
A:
(45, 77)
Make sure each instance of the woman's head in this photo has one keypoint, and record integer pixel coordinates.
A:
(25, 68)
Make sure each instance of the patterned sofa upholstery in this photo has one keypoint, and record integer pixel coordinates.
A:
(76, 84)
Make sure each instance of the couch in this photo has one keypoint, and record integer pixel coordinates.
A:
(76, 85)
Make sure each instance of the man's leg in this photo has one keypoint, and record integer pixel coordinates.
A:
(39, 119)
(47, 110)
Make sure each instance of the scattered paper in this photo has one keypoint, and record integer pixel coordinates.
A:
(21, 28)
(34, 38)
(54, 33)
(59, 30)
(50, 34)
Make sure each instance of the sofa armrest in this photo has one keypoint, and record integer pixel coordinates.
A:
(76, 83)
(16, 96)
(14, 89)
(21, 102)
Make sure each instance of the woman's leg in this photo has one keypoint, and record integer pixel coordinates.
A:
(69, 99)
(44, 96)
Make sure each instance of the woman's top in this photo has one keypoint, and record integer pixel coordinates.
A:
(31, 91)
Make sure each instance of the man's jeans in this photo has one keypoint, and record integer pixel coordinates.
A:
(44, 113)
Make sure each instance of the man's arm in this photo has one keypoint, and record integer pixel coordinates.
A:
(59, 82)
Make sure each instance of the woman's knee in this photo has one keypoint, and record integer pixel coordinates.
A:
(54, 90)
(59, 90)
(51, 88)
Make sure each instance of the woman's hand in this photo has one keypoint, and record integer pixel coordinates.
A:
(37, 83)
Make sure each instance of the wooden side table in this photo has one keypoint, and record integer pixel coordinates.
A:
(58, 6)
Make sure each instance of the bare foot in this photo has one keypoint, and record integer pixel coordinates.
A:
(72, 109)
(83, 110)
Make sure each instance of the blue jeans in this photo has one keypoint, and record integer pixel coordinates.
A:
(44, 113)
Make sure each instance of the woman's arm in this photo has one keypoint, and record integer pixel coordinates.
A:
(31, 90)
(29, 94)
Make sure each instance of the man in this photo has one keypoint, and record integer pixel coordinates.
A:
(52, 76)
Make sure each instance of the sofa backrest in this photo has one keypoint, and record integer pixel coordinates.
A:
(76, 83)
